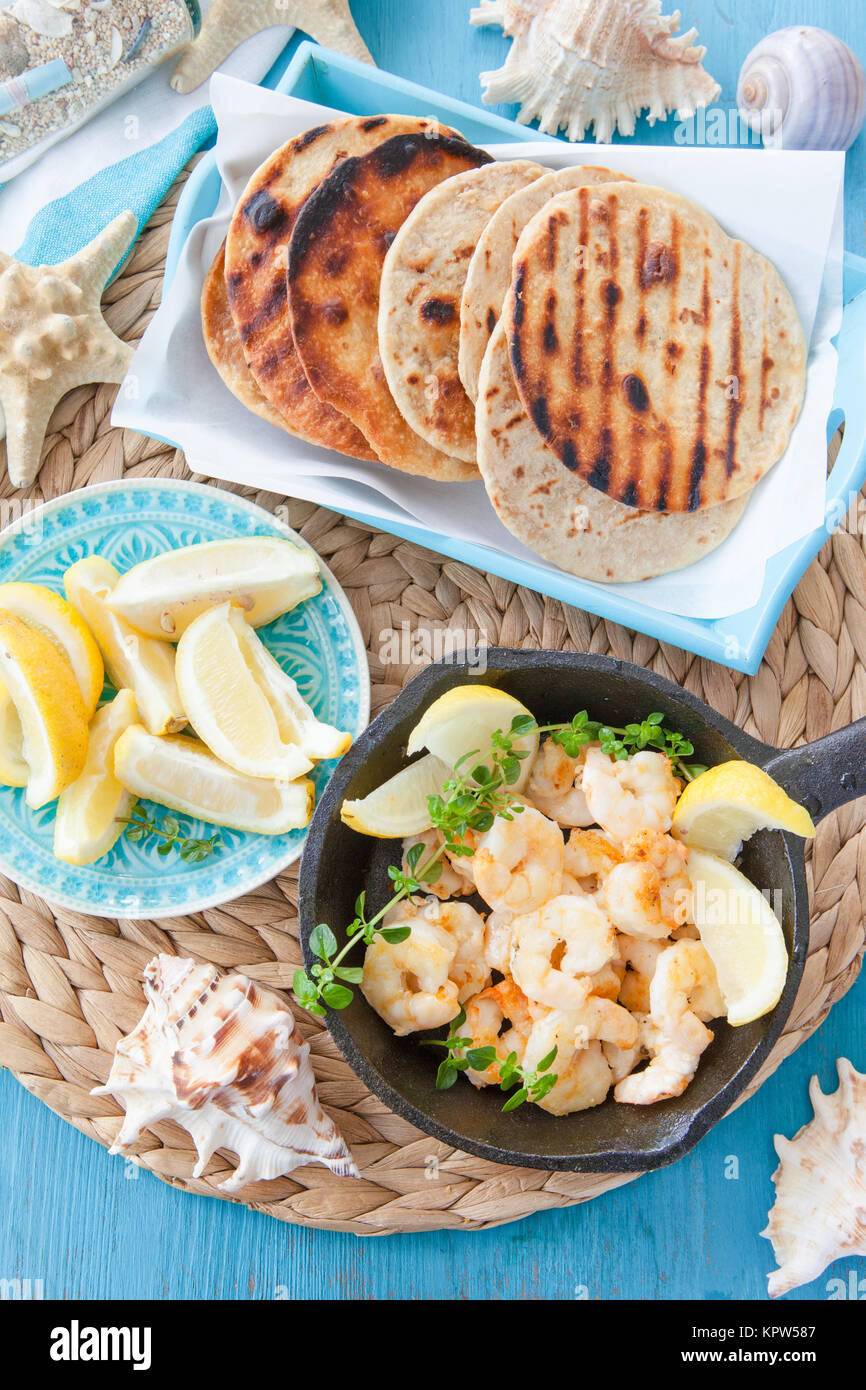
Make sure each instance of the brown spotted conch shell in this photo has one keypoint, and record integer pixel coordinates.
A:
(224, 1059)
(228, 22)
(53, 338)
(820, 1210)
(580, 63)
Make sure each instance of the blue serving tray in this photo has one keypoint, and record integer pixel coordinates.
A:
(739, 641)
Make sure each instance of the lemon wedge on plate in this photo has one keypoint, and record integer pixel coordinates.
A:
(182, 773)
(13, 768)
(49, 705)
(464, 720)
(264, 575)
(43, 609)
(727, 804)
(742, 935)
(133, 662)
(399, 807)
(243, 705)
(89, 812)
(225, 704)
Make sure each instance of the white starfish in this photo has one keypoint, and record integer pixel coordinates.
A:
(228, 22)
(53, 338)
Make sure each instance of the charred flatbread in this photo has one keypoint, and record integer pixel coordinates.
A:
(419, 303)
(224, 346)
(257, 256)
(489, 276)
(662, 361)
(336, 256)
(559, 516)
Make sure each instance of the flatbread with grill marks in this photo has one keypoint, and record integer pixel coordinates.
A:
(336, 256)
(419, 300)
(224, 346)
(256, 259)
(562, 518)
(488, 278)
(661, 361)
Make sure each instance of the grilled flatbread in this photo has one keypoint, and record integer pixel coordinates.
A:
(257, 255)
(336, 255)
(224, 346)
(489, 276)
(561, 517)
(419, 304)
(661, 361)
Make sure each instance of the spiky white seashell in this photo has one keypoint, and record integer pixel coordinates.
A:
(580, 63)
(803, 89)
(223, 1059)
(820, 1208)
(44, 17)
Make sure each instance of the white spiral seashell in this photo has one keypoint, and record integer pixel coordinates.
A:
(803, 89)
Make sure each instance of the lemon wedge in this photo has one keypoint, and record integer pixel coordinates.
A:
(181, 773)
(13, 768)
(742, 935)
(88, 813)
(296, 721)
(225, 704)
(399, 807)
(133, 662)
(263, 575)
(727, 804)
(56, 618)
(464, 720)
(50, 707)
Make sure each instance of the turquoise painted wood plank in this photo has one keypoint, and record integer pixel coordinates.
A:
(88, 1225)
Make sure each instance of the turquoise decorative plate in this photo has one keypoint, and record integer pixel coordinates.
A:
(319, 643)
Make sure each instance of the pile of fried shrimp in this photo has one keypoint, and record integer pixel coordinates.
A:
(588, 945)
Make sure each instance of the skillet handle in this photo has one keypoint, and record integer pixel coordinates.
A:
(827, 774)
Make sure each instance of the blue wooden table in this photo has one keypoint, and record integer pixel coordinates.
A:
(87, 1225)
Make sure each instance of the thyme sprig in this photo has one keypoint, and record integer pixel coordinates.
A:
(480, 790)
(173, 836)
(461, 1055)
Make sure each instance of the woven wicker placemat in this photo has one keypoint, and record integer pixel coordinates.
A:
(70, 985)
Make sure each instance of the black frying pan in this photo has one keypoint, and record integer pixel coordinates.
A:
(337, 863)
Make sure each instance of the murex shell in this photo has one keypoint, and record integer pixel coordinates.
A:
(223, 1059)
(577, 63)
(820, 1210)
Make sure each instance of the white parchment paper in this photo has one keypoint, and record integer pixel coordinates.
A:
(787, 205)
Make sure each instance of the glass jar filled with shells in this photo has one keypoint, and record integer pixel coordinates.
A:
(62, 61)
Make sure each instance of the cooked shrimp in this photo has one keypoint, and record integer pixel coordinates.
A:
(641, 956)
(518, 863)
(606, 983)
(407, 982)
(464, 926)
(485, 1015)
(668, 856)
(632, 897)
(498, 935)
(554, 785)
(670, 1070)
(555, 948)
(623, 1060)
(451, 882)
(607, 1021)
(589, 858)
(580, 1085)
(634, 794)
(683, 994)
(469, 969)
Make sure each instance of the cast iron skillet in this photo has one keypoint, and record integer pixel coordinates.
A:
(337, 863)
